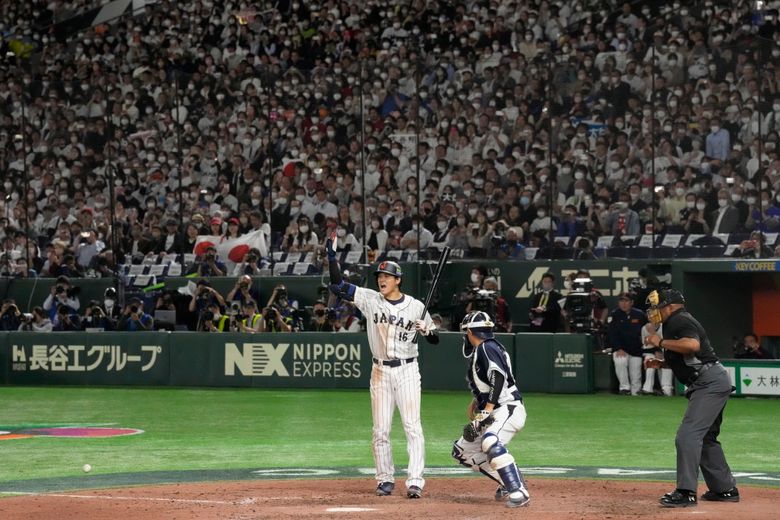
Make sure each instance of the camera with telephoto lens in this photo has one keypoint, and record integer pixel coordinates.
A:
(270, 313)
(740, 349)
(235, 309)
(251, 257)
(579, 306)
(134, 309)
(484, 300)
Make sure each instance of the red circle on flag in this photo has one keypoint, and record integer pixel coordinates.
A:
(200, 248)
(238, 253)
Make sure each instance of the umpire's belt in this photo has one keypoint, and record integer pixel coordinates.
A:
(394, 362)
(701, 370)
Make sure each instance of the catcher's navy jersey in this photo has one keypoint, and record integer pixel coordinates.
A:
(490, 355)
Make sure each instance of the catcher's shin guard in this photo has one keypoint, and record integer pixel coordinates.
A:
(503, 462)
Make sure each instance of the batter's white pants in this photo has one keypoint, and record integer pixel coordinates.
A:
(391, 387)
(664, 374)
(510, 419)
(628, 370)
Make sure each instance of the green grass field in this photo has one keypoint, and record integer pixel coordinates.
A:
(251, 428)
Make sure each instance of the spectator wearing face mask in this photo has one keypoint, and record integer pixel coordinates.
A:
(725, 219)
(718, 143)
(300, 237)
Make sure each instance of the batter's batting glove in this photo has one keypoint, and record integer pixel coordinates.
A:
(330, 247)
(419, 326)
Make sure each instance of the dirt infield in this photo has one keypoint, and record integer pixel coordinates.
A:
(354, 498)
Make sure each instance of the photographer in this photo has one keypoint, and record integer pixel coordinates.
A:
(66, 319)
(62, 294)
(37, 321)
(319, 321)
(490, 300)
(750, 348)
(252, 320)
(134, 318)
(110, 304)
(243, 291)
(10, 315)
(344, 319)
(250, 265)
(95, 317)
(754, 247)
(281, 314)
(209, 265)
(203, 297)
(212, 319)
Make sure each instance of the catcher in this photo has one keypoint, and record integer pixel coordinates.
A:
(496, 413)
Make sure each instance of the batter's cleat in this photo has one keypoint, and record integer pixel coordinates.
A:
(625, 392)
(414, 492)
(501, 494)
(521, 501)
(732, 495)
(385, 489)
(679, 498)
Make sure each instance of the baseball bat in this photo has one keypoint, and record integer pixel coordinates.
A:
(445, 255)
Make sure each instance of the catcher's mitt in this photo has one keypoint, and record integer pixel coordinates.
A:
(473, 430)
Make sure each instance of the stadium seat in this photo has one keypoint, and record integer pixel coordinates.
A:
(640, 252)
(711, 251)
(663, 252)
(686, 252)
(617, 252)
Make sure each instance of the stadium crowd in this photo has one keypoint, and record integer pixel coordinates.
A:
(486, 126)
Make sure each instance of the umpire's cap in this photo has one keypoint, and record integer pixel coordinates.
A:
(391, 268)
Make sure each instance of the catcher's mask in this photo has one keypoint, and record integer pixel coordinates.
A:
(480, 324)
(657, 300)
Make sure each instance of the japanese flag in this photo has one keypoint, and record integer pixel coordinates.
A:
(235, 249)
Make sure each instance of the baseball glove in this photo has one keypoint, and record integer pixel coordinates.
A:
(473, 430)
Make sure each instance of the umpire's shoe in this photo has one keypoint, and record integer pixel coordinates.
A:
(732, 495)
(679, 498)
(414, 492)
(385, 489)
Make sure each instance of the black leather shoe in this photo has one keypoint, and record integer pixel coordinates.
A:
(732, 495)
(384, 489)
(679, 498)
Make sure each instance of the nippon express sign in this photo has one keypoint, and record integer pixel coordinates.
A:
(297, 360)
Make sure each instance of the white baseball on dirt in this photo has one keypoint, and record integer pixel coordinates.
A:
(87, 468)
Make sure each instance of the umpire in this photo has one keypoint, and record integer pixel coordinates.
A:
(687, 351)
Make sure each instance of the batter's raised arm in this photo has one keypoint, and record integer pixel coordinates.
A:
(338, 286)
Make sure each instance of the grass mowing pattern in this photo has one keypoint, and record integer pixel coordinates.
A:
(253, 428)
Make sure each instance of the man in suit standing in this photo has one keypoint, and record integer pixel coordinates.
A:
(545, 313)
(725, 219)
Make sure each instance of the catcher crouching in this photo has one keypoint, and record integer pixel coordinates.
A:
(496, 413)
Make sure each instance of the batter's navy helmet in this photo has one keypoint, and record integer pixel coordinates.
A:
(391, 268)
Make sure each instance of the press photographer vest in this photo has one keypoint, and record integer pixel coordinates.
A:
(222, 323)
(254, 319)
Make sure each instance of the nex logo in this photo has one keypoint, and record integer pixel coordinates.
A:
(255, 359)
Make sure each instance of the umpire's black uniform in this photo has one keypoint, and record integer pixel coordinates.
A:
(708, 390)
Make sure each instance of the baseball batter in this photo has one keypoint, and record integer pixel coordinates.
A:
(497, 412)
(392, 318)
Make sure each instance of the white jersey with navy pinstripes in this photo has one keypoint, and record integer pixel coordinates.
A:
(390, 324)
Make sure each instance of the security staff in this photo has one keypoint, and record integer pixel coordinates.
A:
(624, 332)
(687, 351)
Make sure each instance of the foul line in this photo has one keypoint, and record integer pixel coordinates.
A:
(245, 501)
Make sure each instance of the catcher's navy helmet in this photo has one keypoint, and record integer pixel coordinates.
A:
(391, 268)
(480, 324)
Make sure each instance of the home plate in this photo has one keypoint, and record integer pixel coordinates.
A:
(349, 509)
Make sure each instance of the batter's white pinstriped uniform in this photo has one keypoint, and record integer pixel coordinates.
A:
(391, 328)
